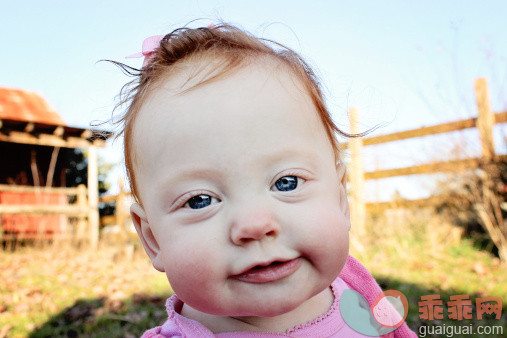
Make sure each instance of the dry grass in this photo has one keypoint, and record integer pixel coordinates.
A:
(59, 291)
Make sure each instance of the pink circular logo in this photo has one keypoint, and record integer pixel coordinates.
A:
(390, 308)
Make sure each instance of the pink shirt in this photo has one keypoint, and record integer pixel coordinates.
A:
(353, 276)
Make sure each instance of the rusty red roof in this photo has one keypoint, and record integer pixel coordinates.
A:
(24, 105)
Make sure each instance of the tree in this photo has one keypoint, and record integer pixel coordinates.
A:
(77, 173)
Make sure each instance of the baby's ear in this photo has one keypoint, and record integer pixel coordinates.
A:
(146, 235)
(341, 171)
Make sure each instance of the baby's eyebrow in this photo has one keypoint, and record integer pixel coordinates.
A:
(289, 153)
(194, 173)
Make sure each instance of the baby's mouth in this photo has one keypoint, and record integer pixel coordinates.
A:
(265, 273)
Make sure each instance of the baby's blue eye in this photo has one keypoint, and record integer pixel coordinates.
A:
(286, 183)
(199, 201)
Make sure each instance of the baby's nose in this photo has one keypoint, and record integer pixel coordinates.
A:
(255, 225)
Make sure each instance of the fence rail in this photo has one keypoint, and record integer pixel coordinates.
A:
(448, 166)
(68, 210)
(377, 207)
(426, 131)
(23, 188)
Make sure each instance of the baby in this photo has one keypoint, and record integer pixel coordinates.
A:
(233, 161)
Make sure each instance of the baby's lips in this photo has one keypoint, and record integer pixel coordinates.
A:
(269, 272)
(263, 264)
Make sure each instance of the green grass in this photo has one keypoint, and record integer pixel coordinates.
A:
(425, 259)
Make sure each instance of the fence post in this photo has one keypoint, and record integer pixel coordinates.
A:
(93, 197)
(120, 211)
(485, 119)
(82, 203)
(356, 174)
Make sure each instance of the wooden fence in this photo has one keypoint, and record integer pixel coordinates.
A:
(484, 123)
(75, 204)
(121, 217)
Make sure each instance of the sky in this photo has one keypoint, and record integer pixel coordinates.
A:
(404, 64)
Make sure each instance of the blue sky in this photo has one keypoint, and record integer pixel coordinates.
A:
(403, 63)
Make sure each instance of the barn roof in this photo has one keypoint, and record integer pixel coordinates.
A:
(28, 106)
(25, 117)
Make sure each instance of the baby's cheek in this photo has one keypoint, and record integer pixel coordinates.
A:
(327, 236)
(190, 268)
(326, 221)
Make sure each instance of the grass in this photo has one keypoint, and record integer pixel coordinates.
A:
(63, 292)
(53, 292)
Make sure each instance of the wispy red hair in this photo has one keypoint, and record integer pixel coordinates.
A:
(228, 45)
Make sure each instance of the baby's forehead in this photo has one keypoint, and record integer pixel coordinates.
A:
(198, 83)
(213, 80)
(244, 99)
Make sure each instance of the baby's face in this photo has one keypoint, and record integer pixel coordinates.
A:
(243, 205)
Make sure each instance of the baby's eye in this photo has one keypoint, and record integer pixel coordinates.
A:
(200, 201)
(286, 183)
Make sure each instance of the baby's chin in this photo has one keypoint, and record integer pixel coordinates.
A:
(263, 309)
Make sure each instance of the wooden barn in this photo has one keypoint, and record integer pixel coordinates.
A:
(36, 152)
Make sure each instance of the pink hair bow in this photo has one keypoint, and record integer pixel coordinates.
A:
(149, 45)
